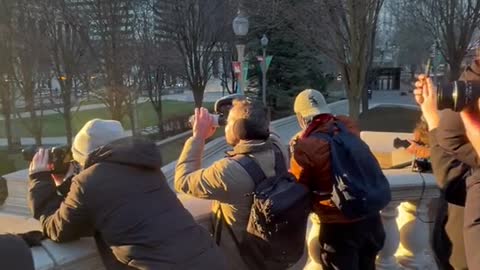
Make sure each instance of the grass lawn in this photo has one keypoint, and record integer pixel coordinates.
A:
(53, 125)
(11, 162)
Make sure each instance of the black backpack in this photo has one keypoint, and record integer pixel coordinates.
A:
(275, 235)
(360, 189)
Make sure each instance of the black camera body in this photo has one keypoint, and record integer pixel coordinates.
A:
(421, 165)
(399, 143)
(458, 95)
(221, 109)
(59, 156)
(223, 105)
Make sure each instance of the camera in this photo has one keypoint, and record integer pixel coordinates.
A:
(421, 165)
(221, 109)
(399, 143)
(458, 95)
(59, 156)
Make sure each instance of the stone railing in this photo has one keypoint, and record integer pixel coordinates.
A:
(409, 216)
(406, 219)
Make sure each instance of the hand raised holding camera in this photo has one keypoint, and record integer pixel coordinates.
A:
(203, 127)
(426, 96)
(40, 162)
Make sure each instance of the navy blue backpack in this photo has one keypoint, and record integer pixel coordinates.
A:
(360, 188)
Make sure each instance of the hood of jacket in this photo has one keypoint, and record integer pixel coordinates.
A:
(135, 152)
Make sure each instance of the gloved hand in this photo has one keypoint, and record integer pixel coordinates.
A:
(32, 238)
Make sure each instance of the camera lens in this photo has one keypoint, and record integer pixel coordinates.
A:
(457, 95)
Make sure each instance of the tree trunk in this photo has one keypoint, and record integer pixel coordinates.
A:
(8, 130)
(159, 111)
(6, 111)
(38, 138)
(455, 69)
(198, 95)
(131, 116)
(116, 112)
(354, 107)
(365, 98)
(67, 117)
(67, 113)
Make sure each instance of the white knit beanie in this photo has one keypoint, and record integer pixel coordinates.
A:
(94, 134)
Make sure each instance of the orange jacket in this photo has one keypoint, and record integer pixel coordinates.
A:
(310, 164)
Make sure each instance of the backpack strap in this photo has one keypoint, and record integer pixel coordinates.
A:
(280, 167)
(218, 221)
(251, 166)
(256, 173)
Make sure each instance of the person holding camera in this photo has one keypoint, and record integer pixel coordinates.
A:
(453, 160)
(122, 198)
(227, 182)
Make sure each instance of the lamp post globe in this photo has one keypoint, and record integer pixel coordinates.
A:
(240, 28)
(264, 41)
(240, 24)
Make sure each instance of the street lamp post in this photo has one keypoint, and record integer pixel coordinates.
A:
(264, 43)
(240, 28)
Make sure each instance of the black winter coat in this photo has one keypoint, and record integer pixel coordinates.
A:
(123, 196)
(452, 158)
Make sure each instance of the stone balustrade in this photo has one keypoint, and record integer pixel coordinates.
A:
(406, 219)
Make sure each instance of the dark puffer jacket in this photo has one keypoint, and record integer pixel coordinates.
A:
(123, 196)
(472, 200)
(452, 159)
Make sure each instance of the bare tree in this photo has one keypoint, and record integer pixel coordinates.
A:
(451, 24)
(30, 62)
(411, 36)
(344, 31)
(158, 59)
(111, 23)
(67, 47)
(196, 27)
(6, 90)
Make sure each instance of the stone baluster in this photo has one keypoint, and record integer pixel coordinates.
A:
(313, 245)
(386, 258)
(414, 235)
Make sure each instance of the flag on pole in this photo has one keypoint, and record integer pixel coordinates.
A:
(269, 61)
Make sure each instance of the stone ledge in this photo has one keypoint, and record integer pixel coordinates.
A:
(77, 255)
